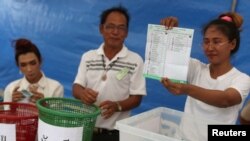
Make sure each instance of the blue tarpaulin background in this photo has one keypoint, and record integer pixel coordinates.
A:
(65, 29)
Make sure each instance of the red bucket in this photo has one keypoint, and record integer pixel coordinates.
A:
(24, 116)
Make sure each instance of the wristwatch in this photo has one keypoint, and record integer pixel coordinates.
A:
(119, 107)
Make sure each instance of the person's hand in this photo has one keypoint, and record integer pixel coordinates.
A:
(108, 108)
(169, 22)
(174, 88)
(17, 95)
(35, 96)
(89, 96)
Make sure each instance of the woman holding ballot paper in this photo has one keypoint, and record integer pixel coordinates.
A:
(216, 90)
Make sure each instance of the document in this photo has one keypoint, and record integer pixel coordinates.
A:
(168, 52)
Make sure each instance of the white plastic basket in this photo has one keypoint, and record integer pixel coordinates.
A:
(159, 124)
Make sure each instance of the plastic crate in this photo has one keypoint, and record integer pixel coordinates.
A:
(24, 116)
(160, 124)
(66, 112)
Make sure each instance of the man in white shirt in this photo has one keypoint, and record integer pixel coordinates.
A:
(111, 76)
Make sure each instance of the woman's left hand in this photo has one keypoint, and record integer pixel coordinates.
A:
(36, 96)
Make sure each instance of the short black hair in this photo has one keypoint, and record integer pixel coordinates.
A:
(119, 9)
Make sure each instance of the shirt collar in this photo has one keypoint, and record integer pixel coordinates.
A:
(120, 54)
(41, 83)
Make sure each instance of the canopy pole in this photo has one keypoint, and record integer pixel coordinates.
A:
(233, 7)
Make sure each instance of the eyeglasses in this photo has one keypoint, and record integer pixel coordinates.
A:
(214, 43)
(112, 27)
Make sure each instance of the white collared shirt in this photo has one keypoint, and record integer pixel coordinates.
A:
(46, 86)
(115, 87)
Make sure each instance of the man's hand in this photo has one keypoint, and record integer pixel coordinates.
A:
(89, 96)
(169, 22)
(108, 108)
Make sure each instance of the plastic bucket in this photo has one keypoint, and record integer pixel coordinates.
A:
(66, 114)
(23, 116)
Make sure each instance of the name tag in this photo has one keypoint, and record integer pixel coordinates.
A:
(121, 74)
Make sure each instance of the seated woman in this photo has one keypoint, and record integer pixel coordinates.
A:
(34, 85)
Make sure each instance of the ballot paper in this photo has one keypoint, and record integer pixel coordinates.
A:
(167, 53)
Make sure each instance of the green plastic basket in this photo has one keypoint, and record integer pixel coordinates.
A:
(66, 112)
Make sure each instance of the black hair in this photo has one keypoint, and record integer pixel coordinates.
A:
(119, 9)
(23, 46)
(228, 28)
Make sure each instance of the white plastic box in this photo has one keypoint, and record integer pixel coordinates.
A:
(160, 124)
